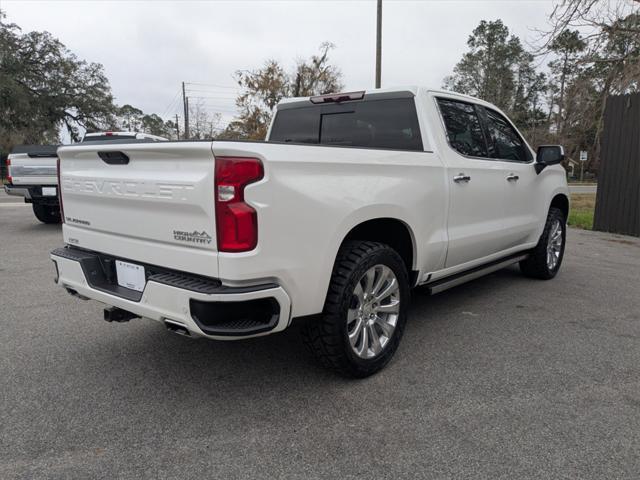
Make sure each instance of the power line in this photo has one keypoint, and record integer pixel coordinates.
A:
(210, 85)
(204, 90)
(211, 108)
(211, 96)
(171, 104)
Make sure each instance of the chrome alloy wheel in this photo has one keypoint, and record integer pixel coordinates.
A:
(554, 244)
(374, 311)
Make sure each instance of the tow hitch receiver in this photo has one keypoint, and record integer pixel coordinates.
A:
(115, 314)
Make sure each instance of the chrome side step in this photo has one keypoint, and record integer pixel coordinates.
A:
(463, 277)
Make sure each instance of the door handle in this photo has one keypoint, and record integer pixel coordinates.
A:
(461, 178)
(512, 177)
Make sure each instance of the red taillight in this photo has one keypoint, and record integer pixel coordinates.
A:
(9, 179)
(236, 221)
(59, 189)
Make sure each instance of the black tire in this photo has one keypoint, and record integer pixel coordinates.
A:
(47, 213)
(536, 265)
(327, 337)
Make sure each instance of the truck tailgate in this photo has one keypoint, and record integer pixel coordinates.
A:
(32, 170)
(150, 202)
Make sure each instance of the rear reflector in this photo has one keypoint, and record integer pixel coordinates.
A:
(236, 221)
(338, 97)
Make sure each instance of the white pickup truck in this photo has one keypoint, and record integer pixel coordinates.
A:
(351, 201)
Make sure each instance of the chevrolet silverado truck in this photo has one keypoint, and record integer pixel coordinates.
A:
(32, 172)
(352, 200)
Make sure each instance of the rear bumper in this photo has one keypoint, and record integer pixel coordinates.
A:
(204, 307)
(32, 193)
(17, 191)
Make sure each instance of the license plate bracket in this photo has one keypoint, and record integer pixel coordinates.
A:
(131, 275)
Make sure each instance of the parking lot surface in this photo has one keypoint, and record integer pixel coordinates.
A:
(504, 377)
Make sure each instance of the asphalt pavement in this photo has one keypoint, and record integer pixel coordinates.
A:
(501, 378)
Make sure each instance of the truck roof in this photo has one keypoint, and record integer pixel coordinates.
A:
(393, 92)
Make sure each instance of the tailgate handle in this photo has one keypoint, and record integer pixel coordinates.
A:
(114, 158)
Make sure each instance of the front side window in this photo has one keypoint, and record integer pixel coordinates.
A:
(463, 127)
(505, 142)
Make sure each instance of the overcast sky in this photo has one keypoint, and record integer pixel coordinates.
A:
(149, 47)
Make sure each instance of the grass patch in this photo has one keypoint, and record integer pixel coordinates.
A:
(582, 208)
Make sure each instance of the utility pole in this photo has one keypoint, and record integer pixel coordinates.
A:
(379, 45)
(177, 127)
(187, 135)
(185, 102)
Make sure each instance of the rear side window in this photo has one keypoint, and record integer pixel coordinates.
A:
(389, 123)
(506, 143)
(463, 127)
(300, 125)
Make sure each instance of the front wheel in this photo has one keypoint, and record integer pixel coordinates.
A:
(545, 259)
(365, 310)
(47, 213)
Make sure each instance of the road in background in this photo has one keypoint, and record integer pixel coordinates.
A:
(4, 198)
(504, 377)
(580, 188)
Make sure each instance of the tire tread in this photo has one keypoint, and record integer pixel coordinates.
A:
(535, 266)
(324, 337)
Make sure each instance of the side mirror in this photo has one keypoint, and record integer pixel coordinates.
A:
(548, 155)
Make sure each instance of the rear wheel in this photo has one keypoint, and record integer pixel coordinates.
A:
(47, 213)
(365, 310)
(545, 259)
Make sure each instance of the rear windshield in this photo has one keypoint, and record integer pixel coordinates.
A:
(389, 123)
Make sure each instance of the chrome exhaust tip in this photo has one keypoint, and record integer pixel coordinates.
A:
(177, 327)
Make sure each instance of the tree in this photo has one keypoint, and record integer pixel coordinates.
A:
(526, 107)
(265, 87)
(595, 52)
(567, 46)
(45, 87)
(153, 124)
(487, 69)
(127, 118)
(590, 68)
(498, 69)
(316, 76)
(203, 125)
(593, 15)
